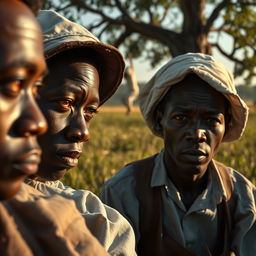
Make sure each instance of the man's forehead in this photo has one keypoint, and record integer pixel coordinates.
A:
(186, 96)
(192, 84)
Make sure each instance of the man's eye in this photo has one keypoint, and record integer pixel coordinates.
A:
(65, 103)
(213, 120)
(36, 88)
(179, 117)
(89, 113)
(12, 88)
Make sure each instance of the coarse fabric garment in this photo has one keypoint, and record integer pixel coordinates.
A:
(34, 224)
(112, 230)
(193, 227)
(208, 69)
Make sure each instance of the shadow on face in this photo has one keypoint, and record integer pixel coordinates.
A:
(22, 67)
(69, 100)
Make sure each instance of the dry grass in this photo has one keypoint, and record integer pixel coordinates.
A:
(117, 109)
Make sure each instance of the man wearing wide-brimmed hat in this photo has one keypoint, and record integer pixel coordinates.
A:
(83, 74)
(181, 201)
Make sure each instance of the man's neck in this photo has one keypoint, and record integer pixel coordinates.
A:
(189, 183)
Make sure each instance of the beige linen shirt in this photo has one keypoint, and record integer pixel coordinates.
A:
(34, 224)
(111, 229)
(197, 225)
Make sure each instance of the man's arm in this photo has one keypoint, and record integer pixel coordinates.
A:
(119, 193)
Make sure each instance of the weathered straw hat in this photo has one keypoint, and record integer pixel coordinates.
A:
(60, 34)
(209, 70)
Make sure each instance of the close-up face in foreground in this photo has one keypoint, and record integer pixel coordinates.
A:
(193, 124)
(69, 99)
(22, 67)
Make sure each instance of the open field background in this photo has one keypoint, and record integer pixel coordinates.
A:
(117, 139)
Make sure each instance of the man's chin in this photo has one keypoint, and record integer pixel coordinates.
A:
(194, 167)
(52, 174)
(9, 189)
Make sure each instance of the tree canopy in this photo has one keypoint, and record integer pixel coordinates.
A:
(157, 29)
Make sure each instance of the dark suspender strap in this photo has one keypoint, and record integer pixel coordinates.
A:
(225, 209)
(150, 225)
(226, 179)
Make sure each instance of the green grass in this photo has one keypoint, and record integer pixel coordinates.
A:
(117, 140)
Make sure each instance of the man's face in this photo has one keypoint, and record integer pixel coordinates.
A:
(21, 68)
(192, 124)
(68, 100)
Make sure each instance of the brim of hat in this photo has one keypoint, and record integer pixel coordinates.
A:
(112, 63)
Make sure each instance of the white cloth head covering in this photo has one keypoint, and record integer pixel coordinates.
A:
(61, 34)
(209, 70)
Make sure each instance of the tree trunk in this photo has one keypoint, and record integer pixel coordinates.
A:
(193, 37)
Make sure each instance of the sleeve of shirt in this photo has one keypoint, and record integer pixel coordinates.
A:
(51, 225)
(244, 229)
(112, 230)
(119, 193)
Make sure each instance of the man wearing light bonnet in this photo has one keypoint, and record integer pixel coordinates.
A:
(181, 201)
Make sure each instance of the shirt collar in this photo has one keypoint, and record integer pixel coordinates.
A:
(211, 196)
(159, 174)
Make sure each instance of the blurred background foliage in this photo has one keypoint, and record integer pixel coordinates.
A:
(158, 29)
(117, 140)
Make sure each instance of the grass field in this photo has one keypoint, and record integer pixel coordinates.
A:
(117, 140)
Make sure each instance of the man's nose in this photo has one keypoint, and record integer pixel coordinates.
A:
(78, 129)
(196, 133)
(31, 121)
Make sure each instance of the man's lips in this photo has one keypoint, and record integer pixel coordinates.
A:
(27, 164)
(195, 152)
(194, 155)
(69, 158)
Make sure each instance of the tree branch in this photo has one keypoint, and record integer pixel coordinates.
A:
(229, 56)
(103, 30)
(150, 14)
(92, 27)
(215, 14)
(164, 15)
(63, 8)
(151, 31)
(83, 5)
(122, 10)
(122, 38)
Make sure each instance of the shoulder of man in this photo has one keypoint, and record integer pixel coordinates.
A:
(242, 188)
(122, 176)
(54, 223)
(127, 173)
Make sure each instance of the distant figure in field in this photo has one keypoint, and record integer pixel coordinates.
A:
(132, 89)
